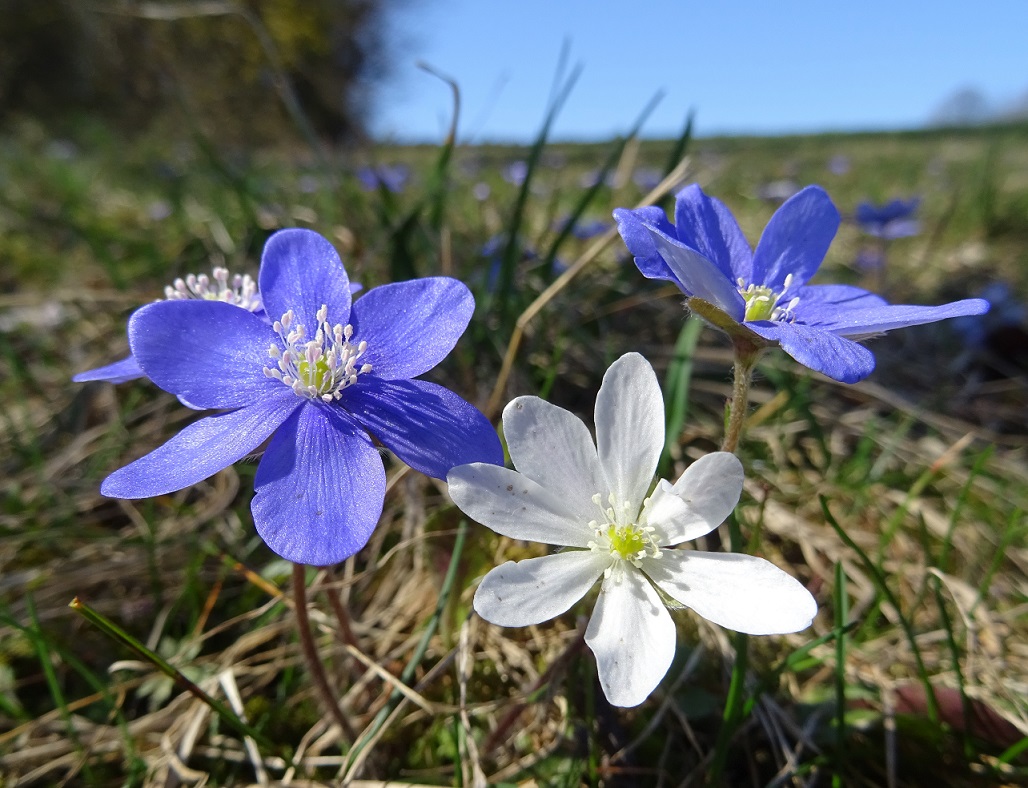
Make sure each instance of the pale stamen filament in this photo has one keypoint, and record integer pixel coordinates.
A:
(238, 290)
(623, 539)
(321, 368)
(762, 303)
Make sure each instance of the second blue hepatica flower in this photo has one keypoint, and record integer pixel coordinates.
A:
(763, 293)
(316, 381)
(895, 219)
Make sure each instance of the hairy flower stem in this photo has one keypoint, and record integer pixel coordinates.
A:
(746, 354)
(310, 652)
(745, 360)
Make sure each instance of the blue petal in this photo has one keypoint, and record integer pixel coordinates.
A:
(820, 350)
(632, 225)
(319, 488)
(427, 426)
(119, 372)
(706, 225)
(869, 213)
(829, 299)
(796, 239)
(698, 276)
(301, 270)
(209, 353)
(876, 320)
(200, 450)
(411, 326)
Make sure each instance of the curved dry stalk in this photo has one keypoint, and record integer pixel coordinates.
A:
(310, 652)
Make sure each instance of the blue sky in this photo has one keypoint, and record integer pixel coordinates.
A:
(746, 67)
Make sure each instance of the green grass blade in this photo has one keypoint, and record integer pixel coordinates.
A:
(677, 382)
(226, 714)
(841, 615)
(407, 675)
(512, 247)
(587, 197)
(883, 588)
(42, 647)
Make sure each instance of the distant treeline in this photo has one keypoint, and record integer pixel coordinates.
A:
(238, 69)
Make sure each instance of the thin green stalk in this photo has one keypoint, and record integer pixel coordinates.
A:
(746, 355)
(43, 652)
(745, 360)
(226, 714)
(879, 581)
(947, 542)
(310, 652)
(841, 614)
(679, 377)
(954, 651)
(353, 758)
(734, 712)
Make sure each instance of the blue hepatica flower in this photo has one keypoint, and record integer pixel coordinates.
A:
(515, 172)
(893, 220)
(316, 382)
(583, 230)
(393, 177)
(236, 289)
(763, 294)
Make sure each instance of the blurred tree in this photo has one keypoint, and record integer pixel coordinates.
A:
(241, 69)
(966, 107)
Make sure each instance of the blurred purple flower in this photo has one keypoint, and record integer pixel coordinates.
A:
(583, 230)
(492, 251)
(515, 172)
(308, 184)
(159, 210)
(594, 177)
(839, 164)
(481, 191)
(393, 177)
(892, 220)
(316, 382)
(870, 260)
(777, 191)
(647, 178)
(1007, 313)
(763, 294)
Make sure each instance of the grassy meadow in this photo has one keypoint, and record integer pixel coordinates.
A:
(900, 502)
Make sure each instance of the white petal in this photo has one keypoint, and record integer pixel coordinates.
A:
(740, 592)
(537, 589)
(554, 448)
(629, 428)
(671, 516)
(710, 487)
(513, 505)
(633, 637)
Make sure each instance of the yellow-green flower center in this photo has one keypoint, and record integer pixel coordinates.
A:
(628, 541)
(622, 535)
(322, 367)
(762, 302)
(314, 375)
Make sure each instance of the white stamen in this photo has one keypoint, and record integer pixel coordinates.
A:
(762, 301)
(322, 367)
(622, 536)
(239, 291)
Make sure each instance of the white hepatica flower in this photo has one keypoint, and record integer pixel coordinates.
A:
(592, 499)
